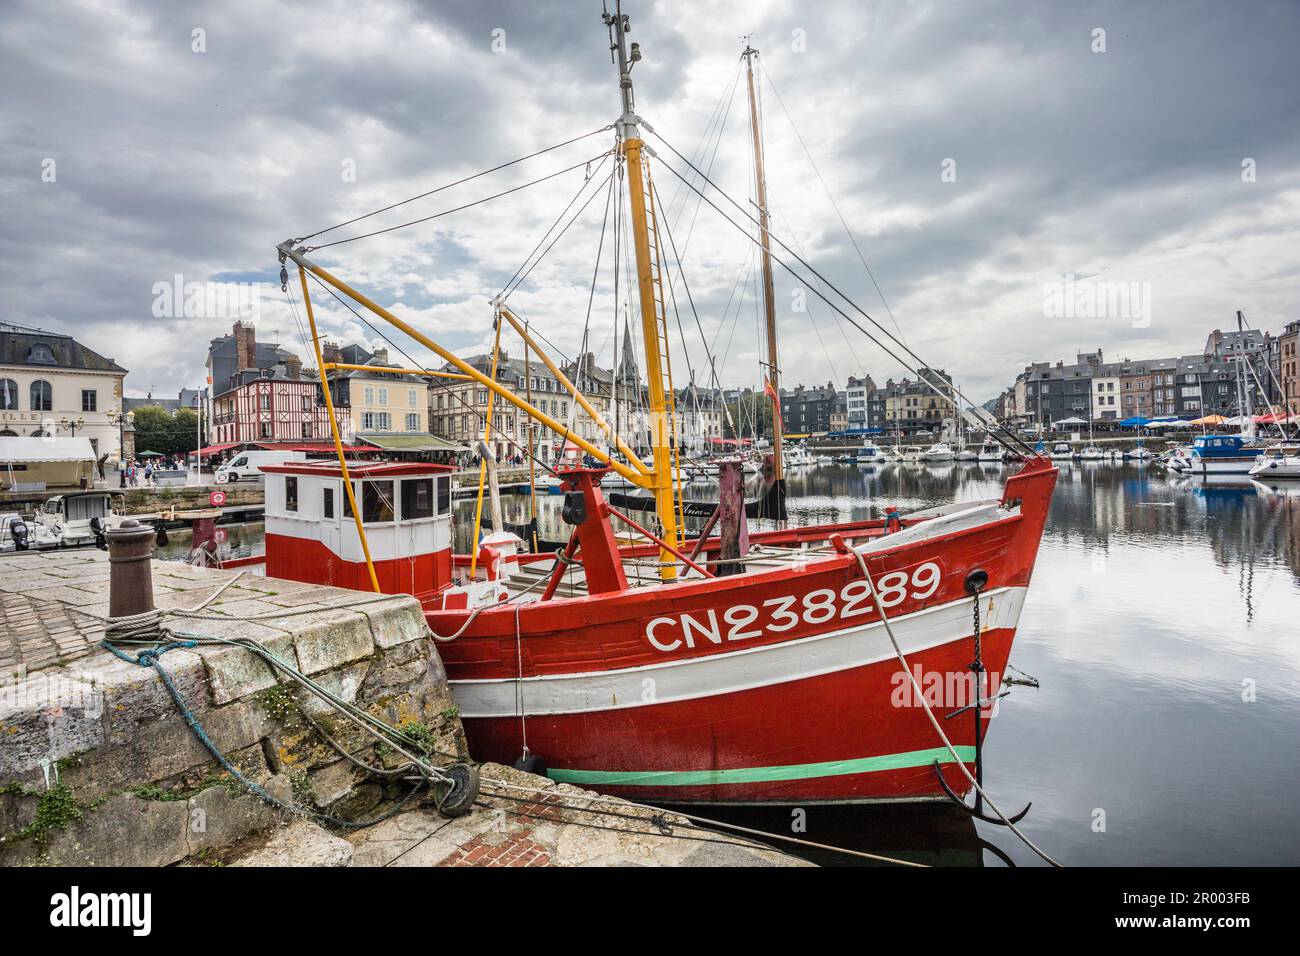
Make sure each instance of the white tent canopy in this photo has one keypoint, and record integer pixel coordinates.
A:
(26, 451)
(1069, 421)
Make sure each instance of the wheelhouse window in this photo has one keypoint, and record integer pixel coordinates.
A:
(327, 502)
(417, 498)
(290, 493)
(444, 494)
(376, 502)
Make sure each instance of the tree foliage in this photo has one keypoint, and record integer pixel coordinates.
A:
(157, 429)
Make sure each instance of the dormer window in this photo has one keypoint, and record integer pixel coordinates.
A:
(40, 354)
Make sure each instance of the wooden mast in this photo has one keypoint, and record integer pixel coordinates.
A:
(656, 345)
(769, 295)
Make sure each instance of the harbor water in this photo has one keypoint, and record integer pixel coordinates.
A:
(1163, 629)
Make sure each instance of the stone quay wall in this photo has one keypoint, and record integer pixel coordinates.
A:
(97, 766)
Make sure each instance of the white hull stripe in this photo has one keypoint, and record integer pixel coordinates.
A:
(734, 671)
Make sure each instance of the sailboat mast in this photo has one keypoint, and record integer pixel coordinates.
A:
(769, 295)
(630, 147)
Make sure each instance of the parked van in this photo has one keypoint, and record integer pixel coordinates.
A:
(248, 464)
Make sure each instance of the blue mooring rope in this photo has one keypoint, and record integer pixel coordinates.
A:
(149, 658)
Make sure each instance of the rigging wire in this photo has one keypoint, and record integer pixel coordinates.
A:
(463, 206)
(834, 205)
(916, 358)
(458, 182)
(517, 278)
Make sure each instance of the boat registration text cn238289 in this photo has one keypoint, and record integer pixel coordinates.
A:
(747, 621)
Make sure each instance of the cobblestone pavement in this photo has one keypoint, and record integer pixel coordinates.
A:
(37, 634)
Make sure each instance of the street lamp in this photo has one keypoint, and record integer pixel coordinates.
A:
(71, 425)
(121, 421)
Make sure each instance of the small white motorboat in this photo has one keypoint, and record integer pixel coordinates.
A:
(939, 451)
(870, 454)
(1062, 451)
(1140, 453)
(1091, 453)
(1278, 461)
(990, 451)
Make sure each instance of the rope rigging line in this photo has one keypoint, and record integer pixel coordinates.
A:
(517, 278)
(469, 205)
(708, 352)
(934, 721)
(709, 131)
(1024, 448)
(458, 182)
(834, 205)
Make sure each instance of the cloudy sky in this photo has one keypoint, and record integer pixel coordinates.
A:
(980, 153)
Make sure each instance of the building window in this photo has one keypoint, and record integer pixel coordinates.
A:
(413, 421)
(306, 430)
(376, 421)
(89, 400)
(42, 396)
(417, 498)
(264, 429)
(369, 395)
(383, 396)
(8, 395)
(266, 402)
(410, 398)
(40, 354)
(290, 493)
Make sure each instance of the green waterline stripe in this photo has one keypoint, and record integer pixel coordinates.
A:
(799, 771)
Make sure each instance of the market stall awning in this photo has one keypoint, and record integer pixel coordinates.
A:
(217, 449)
(316, 448)
(1072, 420)
(1209, 420)
(29, 450)
(420, 441)
(1137, 421)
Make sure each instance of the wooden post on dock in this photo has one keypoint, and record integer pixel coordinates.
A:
(733, 528)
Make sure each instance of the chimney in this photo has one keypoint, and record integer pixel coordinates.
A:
(380, 356)
(293, 367)
(245, 346)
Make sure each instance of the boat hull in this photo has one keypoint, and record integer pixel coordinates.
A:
(855, 734)
(768, 687)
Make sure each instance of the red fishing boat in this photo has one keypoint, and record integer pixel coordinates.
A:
(728, 664)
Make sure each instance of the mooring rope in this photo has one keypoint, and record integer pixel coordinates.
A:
(920, 695)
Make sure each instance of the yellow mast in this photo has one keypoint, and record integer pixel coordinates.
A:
(656, 344)
(487, 447)
(769, 295)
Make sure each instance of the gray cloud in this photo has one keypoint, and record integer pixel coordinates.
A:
(1124, 165)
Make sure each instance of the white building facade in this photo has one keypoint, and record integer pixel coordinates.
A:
(51, 385)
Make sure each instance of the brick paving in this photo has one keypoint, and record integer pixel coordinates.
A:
(36, 634)
(484, 850)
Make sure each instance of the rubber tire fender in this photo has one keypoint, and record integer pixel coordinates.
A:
(460, 798)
